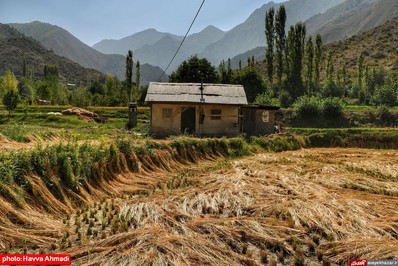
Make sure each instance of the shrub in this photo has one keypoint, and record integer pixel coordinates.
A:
(10, 100)
(279, 143)
(385, 95)
(238, 147)
(384, 117)
(332, 90)
(66, 171)
(308, 107)
(325, 139)
(332, 107)
(267, 99)
(285, 99)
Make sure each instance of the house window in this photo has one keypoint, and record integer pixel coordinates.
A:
(215, 114)
(166, 113)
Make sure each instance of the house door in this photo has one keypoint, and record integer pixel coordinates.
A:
(249, 122)
(188, 120)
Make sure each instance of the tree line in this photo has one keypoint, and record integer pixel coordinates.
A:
(100, 91)
(298, 66)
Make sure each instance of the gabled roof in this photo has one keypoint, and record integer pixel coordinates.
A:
(191, 93)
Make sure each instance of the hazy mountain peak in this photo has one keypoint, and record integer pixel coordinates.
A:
(212, 28)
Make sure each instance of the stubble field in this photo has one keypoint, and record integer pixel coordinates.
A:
(304, 207)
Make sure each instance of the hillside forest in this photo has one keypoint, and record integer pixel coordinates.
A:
(297, 70)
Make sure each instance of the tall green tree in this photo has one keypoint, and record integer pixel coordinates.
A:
(115, 92)
(317, 61)
(270, 37)
(296, 44)
(344, 76)
(360, 66)
(309, 66)
(330, 89)
(138, 74)
(252, 82)
(329, 68)
(225, 72)
(51, 73)
(26, 90)
(9, 89)
(280, 41)
(8, 82)
(129, 74)
(136, 89)
(10, 100)
(195, 70)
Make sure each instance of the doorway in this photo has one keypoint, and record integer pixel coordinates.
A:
(188, 120)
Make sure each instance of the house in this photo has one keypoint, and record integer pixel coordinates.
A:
(194, 108)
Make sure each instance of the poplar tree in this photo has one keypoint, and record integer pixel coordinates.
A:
(280, 41)
(360, 71)
(317, 60)
(309, 66)
(129, 74)
(137, 82)
(270, 34)
(329, 68)
(296, 44)
(138, 74)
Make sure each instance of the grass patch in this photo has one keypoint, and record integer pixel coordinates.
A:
(352, 137)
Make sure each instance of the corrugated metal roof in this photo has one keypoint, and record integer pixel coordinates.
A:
(190, 92)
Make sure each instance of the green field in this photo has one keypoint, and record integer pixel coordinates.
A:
(42, 123)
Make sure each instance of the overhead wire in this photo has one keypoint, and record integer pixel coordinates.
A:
(182, 42)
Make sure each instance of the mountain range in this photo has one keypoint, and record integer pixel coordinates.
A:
(65, 44)
(211, 43)
(15, 48)
(333, 19)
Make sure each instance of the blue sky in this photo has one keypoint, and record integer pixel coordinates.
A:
(95, 20)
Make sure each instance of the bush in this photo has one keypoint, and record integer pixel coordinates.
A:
(267, 99)
(279, 143)
(332, 90)
(384, 117)
(10, 100)
(308, 107)
(332, 107)
(385, 95)
(285, 99)
(325, 139)
(238, 147)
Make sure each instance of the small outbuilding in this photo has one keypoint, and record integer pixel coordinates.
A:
(259, 120)
(194, 108)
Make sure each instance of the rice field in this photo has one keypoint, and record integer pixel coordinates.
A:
(319, 206)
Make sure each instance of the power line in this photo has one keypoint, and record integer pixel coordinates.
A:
(186, 34)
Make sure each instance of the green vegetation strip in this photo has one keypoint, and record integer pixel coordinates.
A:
(77, 165)
(375, 138)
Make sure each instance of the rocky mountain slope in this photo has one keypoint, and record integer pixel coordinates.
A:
(351, 18)
(15, 48)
